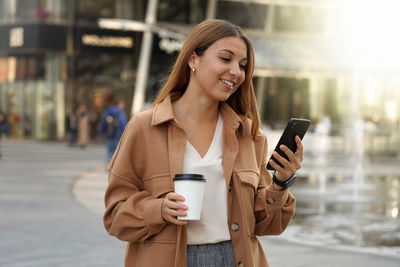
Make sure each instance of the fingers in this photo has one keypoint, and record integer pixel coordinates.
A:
(172, 203)
(299, 150)
(175, 197)
(172, 217)
(171, 208)
(290, 165)
(292, 162)
(282, 160)
(282, 173)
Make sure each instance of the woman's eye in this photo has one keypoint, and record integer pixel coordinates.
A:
(226, 59)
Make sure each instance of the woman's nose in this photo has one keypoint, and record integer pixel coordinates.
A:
(234, 69)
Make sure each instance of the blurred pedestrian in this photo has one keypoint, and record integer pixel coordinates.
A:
(14, 123)
(205, 121)
(4, 127)
(83, 127)
(94, 122)
(72, 128)
(112, 125)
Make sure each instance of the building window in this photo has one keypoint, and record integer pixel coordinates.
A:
(182, 11)
(33, 10)
(246, 15)
(22, 68)
(89, 11)
(299, 19)
(285, 98)
(3, 11)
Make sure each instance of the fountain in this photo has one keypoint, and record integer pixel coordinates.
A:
(358, 145)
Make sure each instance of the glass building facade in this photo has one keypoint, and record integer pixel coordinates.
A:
(301, 70)
(54, 57)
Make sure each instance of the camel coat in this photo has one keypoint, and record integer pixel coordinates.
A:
(141, 173)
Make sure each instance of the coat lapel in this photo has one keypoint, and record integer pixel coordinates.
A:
(230, 146)
(176, 148)
(163, 113)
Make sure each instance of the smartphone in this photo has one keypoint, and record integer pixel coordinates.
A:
(294, 127)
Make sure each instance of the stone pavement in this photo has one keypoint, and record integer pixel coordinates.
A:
(41, 223)
(51, 201)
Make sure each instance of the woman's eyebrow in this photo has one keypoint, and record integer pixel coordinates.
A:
(231, 52)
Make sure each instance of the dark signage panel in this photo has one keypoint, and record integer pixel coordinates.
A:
(22, 37)
(58, 39)
(32, 36)
(103, 40)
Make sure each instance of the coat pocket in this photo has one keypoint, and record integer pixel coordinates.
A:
(249, 178)
(153, 254)
(158, 185)
(247, 195)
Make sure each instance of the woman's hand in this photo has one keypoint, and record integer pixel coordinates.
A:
(171, 208)
(289, 166)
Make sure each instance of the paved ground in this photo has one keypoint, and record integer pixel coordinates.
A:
(41, 222)
(51, 201)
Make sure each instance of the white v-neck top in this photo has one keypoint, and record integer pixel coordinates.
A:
(213, 224)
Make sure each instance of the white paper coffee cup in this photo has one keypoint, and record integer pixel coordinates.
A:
(191, 187)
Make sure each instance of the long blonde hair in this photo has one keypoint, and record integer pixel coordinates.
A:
(243, 101)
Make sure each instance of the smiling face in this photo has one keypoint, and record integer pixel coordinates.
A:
(221, 69)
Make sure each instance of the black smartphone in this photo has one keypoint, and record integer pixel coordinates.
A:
(294, 127)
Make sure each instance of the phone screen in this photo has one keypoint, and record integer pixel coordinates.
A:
(294, 127)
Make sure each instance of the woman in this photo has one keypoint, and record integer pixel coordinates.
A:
(83, 127)
(204, 120)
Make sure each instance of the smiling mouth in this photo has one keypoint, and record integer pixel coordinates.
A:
(229, 83)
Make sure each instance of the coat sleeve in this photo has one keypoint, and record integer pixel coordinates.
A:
(132, 214)
(273, 209)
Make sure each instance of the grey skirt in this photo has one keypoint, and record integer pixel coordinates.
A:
(211, 255)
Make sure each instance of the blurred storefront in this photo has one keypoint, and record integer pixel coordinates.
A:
(302, 68)
(54, 58)
(32, 87)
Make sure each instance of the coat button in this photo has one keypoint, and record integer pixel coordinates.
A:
(240, 264)
(270, 200)
(235, 227)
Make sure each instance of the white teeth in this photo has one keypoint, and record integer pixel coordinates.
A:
(228, 83)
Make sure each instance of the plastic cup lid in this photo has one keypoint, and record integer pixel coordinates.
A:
(189, 176)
